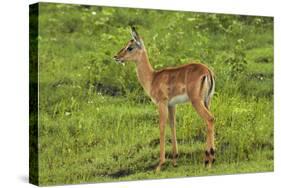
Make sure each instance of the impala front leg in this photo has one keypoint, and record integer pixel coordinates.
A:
(163, 113)
(172, 118)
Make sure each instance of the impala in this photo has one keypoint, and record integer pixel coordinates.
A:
(193, 82)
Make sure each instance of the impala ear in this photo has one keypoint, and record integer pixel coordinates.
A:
(136, 36)
(134, 33)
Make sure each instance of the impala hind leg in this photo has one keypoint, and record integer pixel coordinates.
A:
(163, 115)
(209, 119)
(172, 118)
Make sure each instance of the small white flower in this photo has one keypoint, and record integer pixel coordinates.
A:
(191, 19)
(94, 13)
(67, 113)
(90, 102)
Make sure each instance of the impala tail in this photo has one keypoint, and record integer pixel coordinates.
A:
(209, 82)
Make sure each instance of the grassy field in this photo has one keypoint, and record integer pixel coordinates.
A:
(96, 124)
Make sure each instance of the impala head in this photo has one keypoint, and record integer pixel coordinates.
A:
(132, 49)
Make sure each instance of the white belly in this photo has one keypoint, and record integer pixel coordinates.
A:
(178, 99)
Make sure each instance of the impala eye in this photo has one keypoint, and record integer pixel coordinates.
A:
(130, 48)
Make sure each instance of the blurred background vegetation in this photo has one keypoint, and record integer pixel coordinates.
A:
(97, 124)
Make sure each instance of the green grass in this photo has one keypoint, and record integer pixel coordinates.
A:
(108, 139)
(96, 123)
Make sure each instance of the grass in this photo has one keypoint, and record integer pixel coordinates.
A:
(96, 123)
(108, 139)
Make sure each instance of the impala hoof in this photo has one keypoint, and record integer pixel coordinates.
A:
(209, 158)
(175, 164)
(207, 164)
(158, 169)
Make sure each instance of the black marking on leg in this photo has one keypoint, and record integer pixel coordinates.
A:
(212, 151)
(207, 153)
(176, 156)
(213, 161)
(206, 162)
(206, 103)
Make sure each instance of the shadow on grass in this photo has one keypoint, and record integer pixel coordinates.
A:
(137, 163)
(155, 142)
(146, 165)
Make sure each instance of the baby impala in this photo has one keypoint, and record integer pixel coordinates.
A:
(168, 87)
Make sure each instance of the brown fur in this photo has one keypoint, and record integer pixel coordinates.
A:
(178, 81)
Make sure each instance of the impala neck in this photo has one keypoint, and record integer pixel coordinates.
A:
(144, 71)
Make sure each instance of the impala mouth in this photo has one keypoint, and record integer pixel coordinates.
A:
(118, 60)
